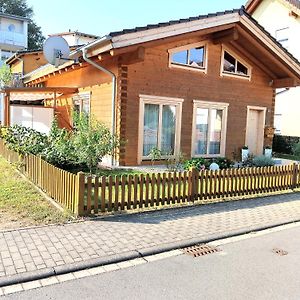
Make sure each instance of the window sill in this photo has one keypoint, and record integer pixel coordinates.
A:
(186, 67)
(234, 75)
(207, 155)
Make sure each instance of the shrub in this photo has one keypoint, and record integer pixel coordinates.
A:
(204, 163)
(61, 149)
(263, 161)
(284, 144)
(296, 149)
(24, 140)
(92, 140)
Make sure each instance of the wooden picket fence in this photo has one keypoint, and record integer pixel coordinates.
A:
(129, 192)
(86, 195)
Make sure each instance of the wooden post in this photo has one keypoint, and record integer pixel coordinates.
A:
(294, 178)
(7, 109)
(193, 184)
(80, 187)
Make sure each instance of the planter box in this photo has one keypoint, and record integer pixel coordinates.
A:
(268, 153)
(245, 154)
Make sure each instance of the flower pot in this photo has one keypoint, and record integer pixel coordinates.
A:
(268, 153)
(245, 154)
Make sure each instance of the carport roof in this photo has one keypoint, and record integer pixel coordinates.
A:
(37, 93)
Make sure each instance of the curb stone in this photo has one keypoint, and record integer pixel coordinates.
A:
(140, 253)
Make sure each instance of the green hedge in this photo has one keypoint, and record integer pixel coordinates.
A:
(284, 144)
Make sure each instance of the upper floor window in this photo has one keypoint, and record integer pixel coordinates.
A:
(282, 36)
(81, 103)
(234, 66)
(190, 56)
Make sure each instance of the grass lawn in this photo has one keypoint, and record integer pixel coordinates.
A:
(21, 205)
(287, 156)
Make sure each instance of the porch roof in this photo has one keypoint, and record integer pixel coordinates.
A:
(36, 93)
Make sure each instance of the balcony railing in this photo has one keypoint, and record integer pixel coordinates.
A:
(13, 38)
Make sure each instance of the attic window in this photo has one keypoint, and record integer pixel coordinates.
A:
(232, 65)
(191, 56)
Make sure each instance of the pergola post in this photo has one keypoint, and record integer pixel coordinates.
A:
(7, 109)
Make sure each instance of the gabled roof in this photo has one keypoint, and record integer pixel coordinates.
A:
(251, 5)
(253, 39)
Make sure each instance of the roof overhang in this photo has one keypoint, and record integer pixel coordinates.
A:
(37, 93)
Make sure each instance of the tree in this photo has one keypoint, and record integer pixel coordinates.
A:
(20, 8)
(5, 76)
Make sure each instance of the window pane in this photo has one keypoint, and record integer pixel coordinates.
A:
(151, 114)
(86, 106)
(180, 57)
(215, 131)
(168, 129)
(197, 57)
(229, 63)
(241, 69)
(201, 131)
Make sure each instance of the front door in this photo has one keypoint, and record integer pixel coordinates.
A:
(255, 130)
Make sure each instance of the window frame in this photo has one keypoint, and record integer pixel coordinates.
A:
(83, 95)
(185, 66)
(159, 100)
(238, 59)
(210, 105)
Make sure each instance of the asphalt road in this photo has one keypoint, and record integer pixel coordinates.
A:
(247, 269)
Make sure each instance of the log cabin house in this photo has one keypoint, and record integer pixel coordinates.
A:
(203, 86)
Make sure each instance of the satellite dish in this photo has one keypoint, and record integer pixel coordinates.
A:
(56, 50)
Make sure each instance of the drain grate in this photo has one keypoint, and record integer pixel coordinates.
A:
(280, 251)
(200, 250)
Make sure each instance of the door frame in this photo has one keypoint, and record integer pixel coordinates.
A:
(264, 110)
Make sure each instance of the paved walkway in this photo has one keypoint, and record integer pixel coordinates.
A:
(33, 250)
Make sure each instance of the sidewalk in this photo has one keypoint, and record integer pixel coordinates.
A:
(29, 254)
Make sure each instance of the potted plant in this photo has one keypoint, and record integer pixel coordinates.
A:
(245, 153)
(268, 151)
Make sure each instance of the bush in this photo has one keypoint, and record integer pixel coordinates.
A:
(284, 144)
(296, 149)
(24, 140)
(204, 163)
(263, 161)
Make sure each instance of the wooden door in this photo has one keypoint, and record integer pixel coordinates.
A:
(255, 131)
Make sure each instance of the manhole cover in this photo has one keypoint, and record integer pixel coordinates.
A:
(280, 251)
(200, 250)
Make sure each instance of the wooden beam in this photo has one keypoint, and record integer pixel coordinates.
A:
(104, 56)
(284, 83)
(225, 36)
(63, 90)
(133, 57)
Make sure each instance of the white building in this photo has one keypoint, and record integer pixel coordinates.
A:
(13, 35)
(76, 38)
(281, 18)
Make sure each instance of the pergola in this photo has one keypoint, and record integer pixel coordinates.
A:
(32, 94)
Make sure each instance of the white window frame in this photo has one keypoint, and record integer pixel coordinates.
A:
(159, 100)
(238, 59)
(84, 94)
(210, 105)
(188, 67)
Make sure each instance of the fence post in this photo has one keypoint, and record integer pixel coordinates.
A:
(294, 178)
(80, 187)
(194, 183)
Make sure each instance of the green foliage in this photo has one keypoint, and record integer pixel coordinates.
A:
(175, 164)
(5, 76)
(60, 151)
(296, 149)
(24, 140)
(259, 161)
(21, 8)
(198, 163)
(284, 144)
(92, 140)
(85, 146)
(204, 163)
(155, 154)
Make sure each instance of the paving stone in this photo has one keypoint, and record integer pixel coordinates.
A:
(49, 281)
(12, 289)
(31, 285)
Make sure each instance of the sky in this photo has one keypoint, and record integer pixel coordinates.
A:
(100, 17)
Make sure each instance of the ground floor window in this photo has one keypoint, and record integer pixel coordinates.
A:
(209, 128)
(160, 119)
